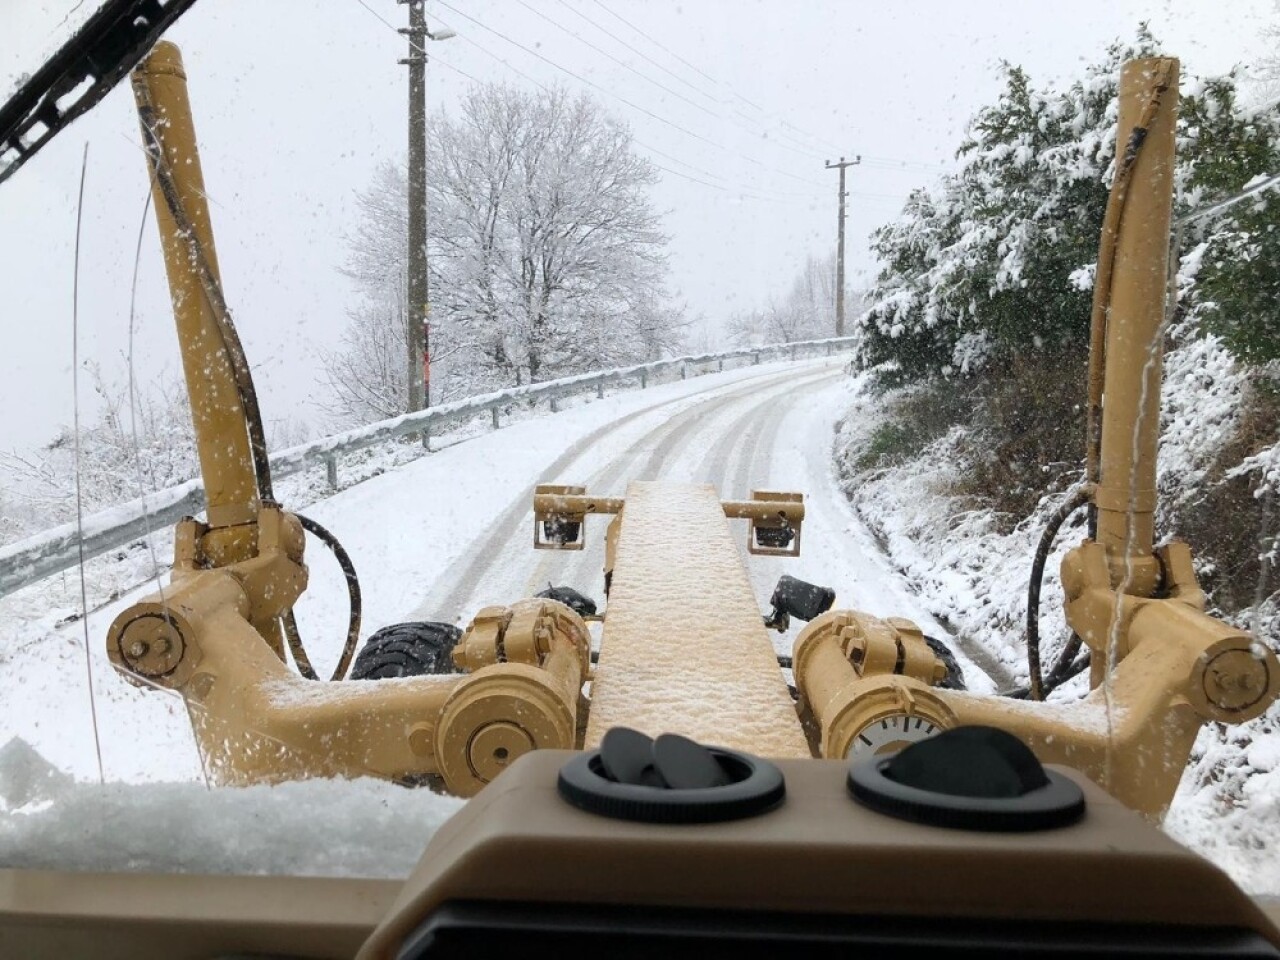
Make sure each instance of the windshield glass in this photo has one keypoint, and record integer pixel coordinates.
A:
(834, 249)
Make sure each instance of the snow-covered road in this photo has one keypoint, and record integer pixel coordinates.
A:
(436, 538)
(446, 534)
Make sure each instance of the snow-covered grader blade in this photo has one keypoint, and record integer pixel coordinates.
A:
(690, 805)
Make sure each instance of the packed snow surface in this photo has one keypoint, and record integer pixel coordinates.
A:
(358, 828)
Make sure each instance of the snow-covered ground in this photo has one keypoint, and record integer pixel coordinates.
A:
(438, 537)
(442, 535)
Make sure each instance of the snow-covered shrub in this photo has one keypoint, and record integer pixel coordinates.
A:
(985, 264)
(996, 261)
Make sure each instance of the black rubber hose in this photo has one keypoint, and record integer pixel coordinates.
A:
(300, 658)
(1062, 671)
(1068, 670)
(248, 395)
(1073, 503)
(353, 621)
(1066, 662)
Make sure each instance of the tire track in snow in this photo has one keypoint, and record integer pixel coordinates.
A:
(584, 570)
(841, 551)
(504, 543)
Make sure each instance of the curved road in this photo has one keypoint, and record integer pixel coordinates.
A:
(771, 431)
(699, 444)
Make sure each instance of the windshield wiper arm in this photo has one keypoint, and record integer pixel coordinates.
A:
(81, 73)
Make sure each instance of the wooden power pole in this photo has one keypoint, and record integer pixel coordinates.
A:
(840, 243)
(418, 295)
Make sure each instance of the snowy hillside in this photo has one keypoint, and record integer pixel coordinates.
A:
(972, 575)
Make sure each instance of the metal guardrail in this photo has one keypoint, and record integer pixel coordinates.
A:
(26, 561)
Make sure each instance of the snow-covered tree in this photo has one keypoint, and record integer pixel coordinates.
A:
(127, 451)
(997, 260)
(991, 261)
(806, 312)
(545, 253)
(367, 376)
(1233, 257)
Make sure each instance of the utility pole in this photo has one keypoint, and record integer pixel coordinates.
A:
(840, 242)
(417, 300)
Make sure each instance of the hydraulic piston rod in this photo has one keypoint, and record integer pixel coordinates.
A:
(222, 436)
(1126, 493)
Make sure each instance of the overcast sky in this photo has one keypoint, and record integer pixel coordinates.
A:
(297, 101)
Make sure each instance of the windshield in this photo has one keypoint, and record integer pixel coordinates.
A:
(834, 249)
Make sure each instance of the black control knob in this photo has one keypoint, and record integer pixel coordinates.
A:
(671, 779)
(970, 778)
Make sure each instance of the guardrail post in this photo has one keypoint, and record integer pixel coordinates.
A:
(555, 405)
(494, 413)
(828, 349)
(331, 472)
(644, 379)
(600, 390)
(684, 372)
(793, 351)
(755, 357)
(720, 365)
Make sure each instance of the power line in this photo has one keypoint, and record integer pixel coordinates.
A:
(750, 190)
(638, 53)
(873, 161)
(750, 159)
(580, 79)
(390, 26)
(744, 190)
(727, 188)
(662, 46)
(656, 43)
(826, 145)
(444, 63)
(801, 149)
(777, 138)
(620, 63)
(754, 192)
(1222, 206)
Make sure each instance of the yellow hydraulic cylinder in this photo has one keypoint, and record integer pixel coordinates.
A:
(222, 436)
(1126, 494)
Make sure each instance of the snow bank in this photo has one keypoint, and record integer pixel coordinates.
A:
(968, 574)
(1227, 807)
(324, 828)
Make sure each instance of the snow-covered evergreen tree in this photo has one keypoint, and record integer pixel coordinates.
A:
(994, 260)
(997, 260)
(1232, 257)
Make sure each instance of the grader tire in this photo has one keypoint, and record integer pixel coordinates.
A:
(413, 649)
